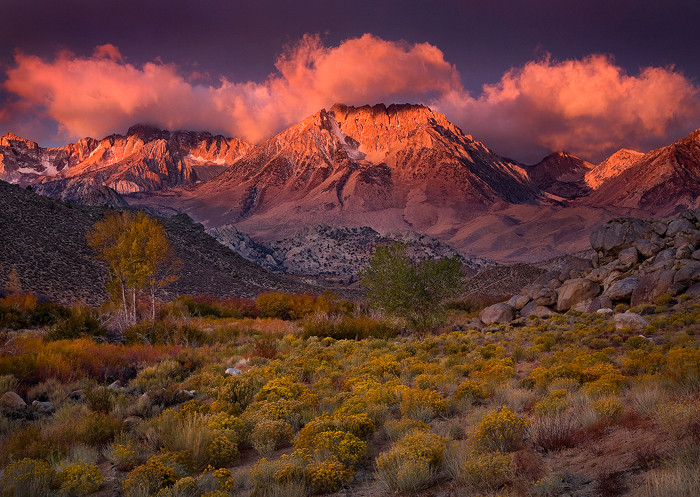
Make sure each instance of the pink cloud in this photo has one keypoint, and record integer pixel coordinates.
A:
(102, 94)
(589, 107)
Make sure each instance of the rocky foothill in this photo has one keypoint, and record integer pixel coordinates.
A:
(635, 262)
(334, 252)
(44, 240)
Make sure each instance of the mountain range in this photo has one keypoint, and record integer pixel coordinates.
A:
(392, 169)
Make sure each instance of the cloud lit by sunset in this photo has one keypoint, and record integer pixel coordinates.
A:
(590, 107)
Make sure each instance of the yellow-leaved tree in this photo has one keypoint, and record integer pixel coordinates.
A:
(139, 256)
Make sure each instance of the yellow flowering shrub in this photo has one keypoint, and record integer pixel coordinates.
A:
(270, 434)
(125, 455)
(79, 479)
(501, 430)
(411, 463)
(683, 366)
(554, 403)
(286, 388)
(222, 451)
(148, 478)
(289, 411)
(340, 446)
(28, 477)
(192, 408)
(186, 487)
(395, 429)
(328, 475)
(179, 461)
(228, 423)
(422, 405)
(608, 409)
(469, 391)
(490, 471)
(269, 478)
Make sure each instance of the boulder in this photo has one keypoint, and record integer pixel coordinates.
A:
(676, 289)
(574, 267)
(629, 256)
(532, 309)
(582, 306)
(546, 296)
(647, 248)
(678, 226)
(660, 228)
(615, 235)
(685, 252)
(651, 286)
(546, 278)
(599, 274)
(695, 255)
(693, 290)
(575, 291)
(668, 254)
(521, 302)
(497, 313)
(630, 320)
(598, 303)
(605, 311)
(687, 238)
(11, 400)
(689, 273)
(531, 289)
(622, 289)
(689, 214)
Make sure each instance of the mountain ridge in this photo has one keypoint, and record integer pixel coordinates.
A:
(401, 167)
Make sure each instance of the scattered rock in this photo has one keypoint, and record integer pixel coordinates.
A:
(598, 303)
(77, 394)
(532, 309)
(630, 320)
(647, 248)
(679, 225)
(622, 289)
(575, 291)
(11, 400)
(517, 302)
(651, 286)
(545, 296)
(688, 273)
(629, 256)
(497, 313)
(616, 234)
(685, 252)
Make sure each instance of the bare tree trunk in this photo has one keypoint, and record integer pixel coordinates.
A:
(133, 305)
(153, 303)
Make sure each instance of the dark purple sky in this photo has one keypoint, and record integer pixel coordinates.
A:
(241, 40)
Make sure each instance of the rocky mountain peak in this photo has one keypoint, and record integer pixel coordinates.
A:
(12, 140)
(613, 166)
(147, 132)
(561, 174)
